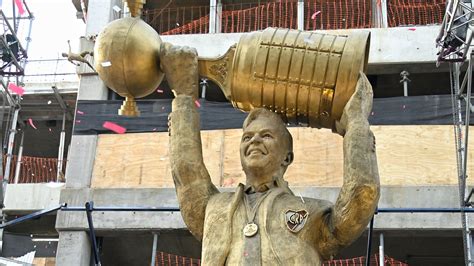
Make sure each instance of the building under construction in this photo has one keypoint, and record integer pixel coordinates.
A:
(77, 193)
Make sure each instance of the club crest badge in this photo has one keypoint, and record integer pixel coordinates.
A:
(295, 220)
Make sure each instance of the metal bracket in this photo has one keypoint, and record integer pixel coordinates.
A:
(32, 216)
(89, 209)
(62, 103)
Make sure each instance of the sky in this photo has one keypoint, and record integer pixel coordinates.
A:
(54, 24)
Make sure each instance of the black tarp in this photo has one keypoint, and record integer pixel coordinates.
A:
(413, 110)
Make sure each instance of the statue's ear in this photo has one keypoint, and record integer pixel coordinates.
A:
(288, 159)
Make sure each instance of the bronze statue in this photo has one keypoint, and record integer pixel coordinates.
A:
(263, 222)
(79, 58)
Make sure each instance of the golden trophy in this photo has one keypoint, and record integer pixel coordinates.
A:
(307, 77)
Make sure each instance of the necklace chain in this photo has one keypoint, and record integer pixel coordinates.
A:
(252, 212)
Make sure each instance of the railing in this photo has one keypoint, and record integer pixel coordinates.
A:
(415, 12)
(35, 169)
(163, 258)
(167, 19)
(337, 14)
(246, 17)
(318, 15)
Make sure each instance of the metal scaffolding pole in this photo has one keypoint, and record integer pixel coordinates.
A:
(19, 159)
(61, 149)
(454, 41)
(461, 133)
(153, 250)
(11, 142)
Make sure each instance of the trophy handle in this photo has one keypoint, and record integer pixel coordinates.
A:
(219, 70)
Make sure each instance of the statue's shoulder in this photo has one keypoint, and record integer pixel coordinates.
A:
(312, 204)
(222, 196)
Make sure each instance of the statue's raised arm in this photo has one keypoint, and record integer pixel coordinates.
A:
(191, 178)
(360, 192)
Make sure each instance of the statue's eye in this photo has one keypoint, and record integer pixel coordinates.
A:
(246, 138)
(267, 136)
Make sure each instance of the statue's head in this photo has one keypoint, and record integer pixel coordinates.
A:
(266, 147)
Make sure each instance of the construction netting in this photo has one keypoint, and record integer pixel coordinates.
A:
(318, 15)
(34, 169)
(415, 12)
(179, 20)
(163, 259)
(246, 17)
(337, 14)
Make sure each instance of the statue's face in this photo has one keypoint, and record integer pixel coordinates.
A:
(262, 147)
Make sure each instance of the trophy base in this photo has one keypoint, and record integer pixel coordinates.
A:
(129, 108)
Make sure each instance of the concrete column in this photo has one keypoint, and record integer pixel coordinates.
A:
(380, 15)
(74, 246)
(82, 149)
(300, 15)
(212, 15)
(73, 249)
(384, 14)
(219, 17)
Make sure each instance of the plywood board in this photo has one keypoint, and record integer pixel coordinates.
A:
(407, 155)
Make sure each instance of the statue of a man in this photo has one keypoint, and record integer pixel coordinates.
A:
(263, 222)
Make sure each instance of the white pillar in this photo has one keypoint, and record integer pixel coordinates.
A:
(212, 15)
(384, 14)
(300, 15)
(380, 15)
(381, 251)
(219, 17)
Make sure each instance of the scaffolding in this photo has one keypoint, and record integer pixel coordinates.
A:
(454, 43)
(13, 56)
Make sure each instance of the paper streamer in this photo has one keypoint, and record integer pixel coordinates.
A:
(16, 89)
(114, 127)
(20, 7)
(197, 103)
(315, 14)
(80, 112)
(30, 121)
(106, 64)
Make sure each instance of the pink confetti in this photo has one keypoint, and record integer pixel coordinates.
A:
(49, 131)
(16, 89)
(412, 29)
(197, 103)
(163, 108)
(78, 121)
(159, 91)
(372, 113)
(114, 127)
(19, 4)
(403, 106)
(30, 121)
(80, 112)
(315, 14)
(154, 129)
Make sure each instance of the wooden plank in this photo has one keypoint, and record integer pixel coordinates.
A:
(407, 155)
(44, 261)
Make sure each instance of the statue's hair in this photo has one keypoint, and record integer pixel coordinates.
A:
(275, 118)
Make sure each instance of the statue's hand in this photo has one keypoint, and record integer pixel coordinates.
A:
(180, 65)
(359, 106)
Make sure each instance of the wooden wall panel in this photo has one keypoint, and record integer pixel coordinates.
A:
(407, 155)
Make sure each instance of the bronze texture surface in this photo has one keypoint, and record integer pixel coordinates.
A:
(291, 230)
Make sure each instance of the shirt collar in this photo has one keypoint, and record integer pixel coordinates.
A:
(248, 189)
